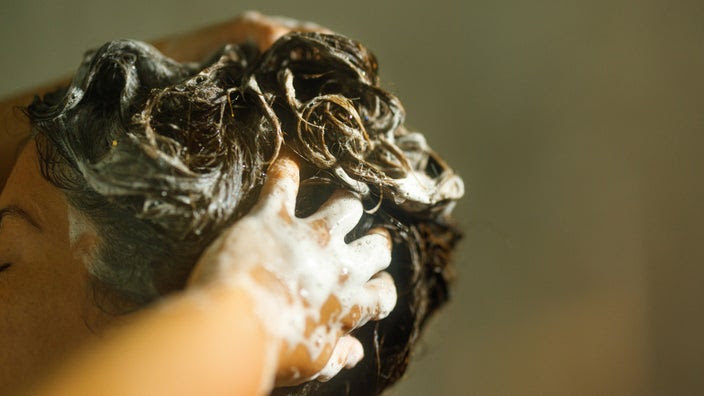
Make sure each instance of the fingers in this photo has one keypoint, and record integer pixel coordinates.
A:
(347, 353)
(382, 287)
(281, 186)
(341, 213)
(293, 24)
(376, 301)
(266, 29)
(372, 252)
(378, 296)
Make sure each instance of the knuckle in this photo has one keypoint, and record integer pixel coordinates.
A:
(251, 16)
(352, 319)
(319, 231)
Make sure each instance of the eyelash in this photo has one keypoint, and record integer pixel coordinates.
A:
(5, 266)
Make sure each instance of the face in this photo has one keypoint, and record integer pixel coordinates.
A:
(46, 305)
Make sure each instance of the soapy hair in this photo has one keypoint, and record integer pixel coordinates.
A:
(161, 156)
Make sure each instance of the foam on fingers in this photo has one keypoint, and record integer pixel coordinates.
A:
(347, 353)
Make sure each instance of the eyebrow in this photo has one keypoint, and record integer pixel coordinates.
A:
(14, 210)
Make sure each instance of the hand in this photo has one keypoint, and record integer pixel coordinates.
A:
(310, 287)
(249, 26)
(264, 30)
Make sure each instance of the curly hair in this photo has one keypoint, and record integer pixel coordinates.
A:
(161, 156)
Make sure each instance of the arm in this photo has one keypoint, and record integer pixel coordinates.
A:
(195, 45)
(195, 343)
(270, 302)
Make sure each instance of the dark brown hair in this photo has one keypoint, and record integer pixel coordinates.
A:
(162, 156)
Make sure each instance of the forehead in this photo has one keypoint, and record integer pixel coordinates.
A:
(27, 188)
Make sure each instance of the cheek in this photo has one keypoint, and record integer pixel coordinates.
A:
(43, 305)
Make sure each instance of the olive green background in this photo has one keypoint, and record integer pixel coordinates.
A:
(577, 127)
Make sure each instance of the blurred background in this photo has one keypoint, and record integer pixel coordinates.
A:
(577, 127)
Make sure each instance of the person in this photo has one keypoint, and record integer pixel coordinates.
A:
(145, 184)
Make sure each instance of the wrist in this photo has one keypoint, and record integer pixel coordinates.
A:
(247, 331)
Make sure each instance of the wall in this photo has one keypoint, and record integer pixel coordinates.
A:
(577, 128)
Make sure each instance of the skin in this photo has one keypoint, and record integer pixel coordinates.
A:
(48, 284)
(220, 333)
(44, 292)
(317, 286)
(48, 312)
(252, 26)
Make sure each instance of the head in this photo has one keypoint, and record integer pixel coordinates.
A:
(150, 159)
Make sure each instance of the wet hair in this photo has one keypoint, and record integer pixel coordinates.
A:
(161, 156)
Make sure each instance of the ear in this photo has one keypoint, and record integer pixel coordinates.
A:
(84, 247)
(83, 238)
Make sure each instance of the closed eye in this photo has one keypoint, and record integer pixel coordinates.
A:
(5, 266)
(14, 210)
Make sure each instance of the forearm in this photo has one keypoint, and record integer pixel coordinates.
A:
(207, 342)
